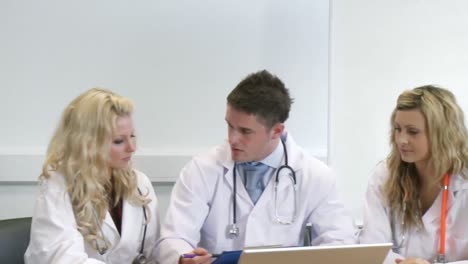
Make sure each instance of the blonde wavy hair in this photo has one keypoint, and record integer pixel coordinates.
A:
(447, 136)
(79, 150)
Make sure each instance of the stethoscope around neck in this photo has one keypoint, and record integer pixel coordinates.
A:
(441, 257)
(233, 230)
(140, 258)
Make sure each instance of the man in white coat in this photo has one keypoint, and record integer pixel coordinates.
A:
(227, 199)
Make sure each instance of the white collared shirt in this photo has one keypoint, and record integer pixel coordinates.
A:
(273, 161)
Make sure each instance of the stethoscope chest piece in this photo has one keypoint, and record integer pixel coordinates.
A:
(102, 250)
(233, 231)
(139, 259)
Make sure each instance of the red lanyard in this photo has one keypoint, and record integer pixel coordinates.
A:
(443, 215)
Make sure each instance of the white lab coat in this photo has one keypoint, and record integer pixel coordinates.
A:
(420, 243)
(55, 238)
(201, 207)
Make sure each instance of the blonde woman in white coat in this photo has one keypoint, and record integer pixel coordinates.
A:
(427, 166)
(93, 207)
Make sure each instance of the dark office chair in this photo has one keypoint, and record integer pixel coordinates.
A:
(14, 239)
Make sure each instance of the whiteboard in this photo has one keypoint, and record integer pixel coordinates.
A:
(177, 60)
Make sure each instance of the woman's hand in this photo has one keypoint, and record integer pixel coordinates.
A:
(411, 261)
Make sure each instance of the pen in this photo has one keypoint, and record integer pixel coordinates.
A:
(192, 255)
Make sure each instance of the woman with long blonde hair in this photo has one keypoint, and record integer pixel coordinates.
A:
(93, 207)
(418, 198)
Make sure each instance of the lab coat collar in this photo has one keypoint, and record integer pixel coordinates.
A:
(275, 159)
(295, 155)
(457, 183)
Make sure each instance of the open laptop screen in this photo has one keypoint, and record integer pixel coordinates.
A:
(350, 254)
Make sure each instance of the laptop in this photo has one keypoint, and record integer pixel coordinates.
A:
(350, 254)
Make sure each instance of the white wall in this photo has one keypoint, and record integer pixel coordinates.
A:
(155, 51)
(176, 59)
(378, 49)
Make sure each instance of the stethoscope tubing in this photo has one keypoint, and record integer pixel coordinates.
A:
(442, 230)
(443, 217)
(234, 180)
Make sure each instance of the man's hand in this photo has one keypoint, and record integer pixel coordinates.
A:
(201, 256)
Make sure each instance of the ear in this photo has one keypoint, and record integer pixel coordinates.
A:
(277, 130)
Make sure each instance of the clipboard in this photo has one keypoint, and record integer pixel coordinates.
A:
(228, 257)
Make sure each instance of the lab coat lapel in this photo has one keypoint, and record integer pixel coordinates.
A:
(457, 183)
(132, 224)
(110, 230)
(296, 160)
(433, 213)
(228, 166)
(240, 190)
